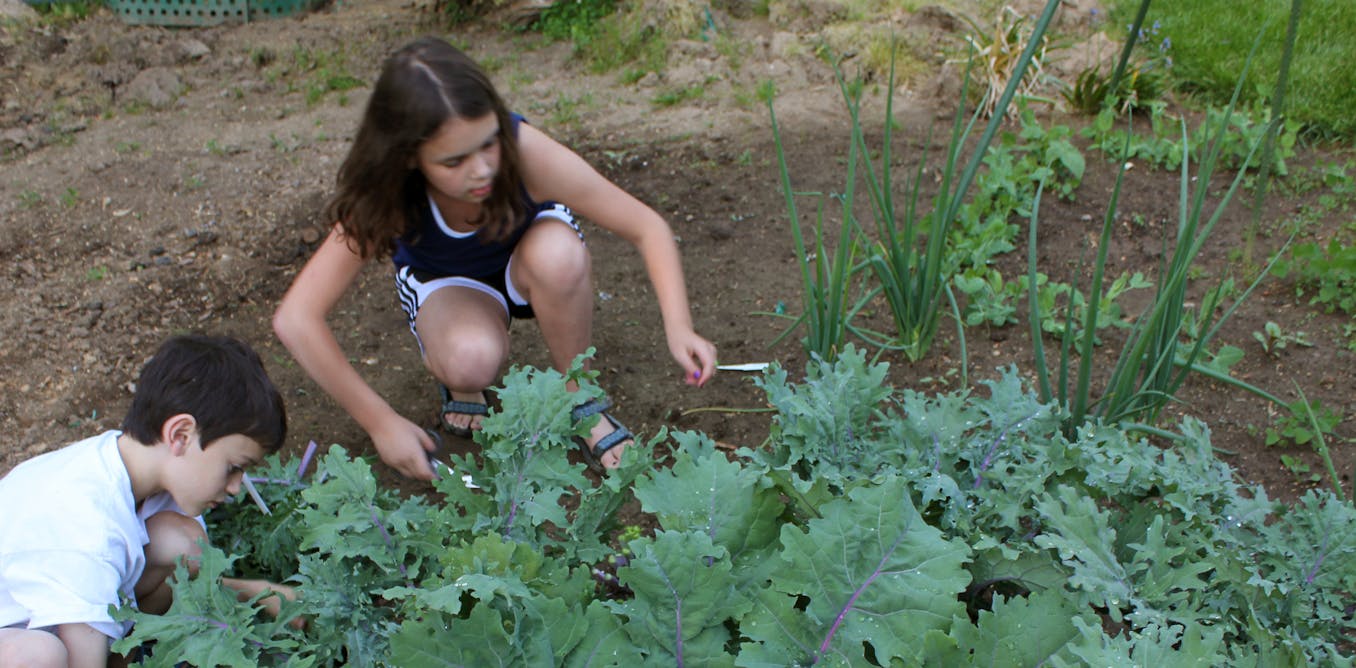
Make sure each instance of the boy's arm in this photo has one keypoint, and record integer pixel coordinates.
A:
(85, 647)
(247, 589)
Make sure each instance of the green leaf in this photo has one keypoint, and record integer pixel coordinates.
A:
(829, 422)
(703, 491)
(1021, 631)
(436, 640)
(206, 625)
(1082, 535)
(873, 571)
(684, 593)
(606, 642)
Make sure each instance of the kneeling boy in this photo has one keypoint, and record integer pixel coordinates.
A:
(106, 518)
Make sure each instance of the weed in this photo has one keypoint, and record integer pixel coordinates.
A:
(989, 299)
(565, 109)
(1293, 426)
(97, 273)
(1274, 339)
(70, 197)
(262, 57)
(215, 148)
(574, 22)
(677, 96)
(1298, 468)
(632, 39)
(123, 147)
(1325, 272)
(1139, 89)
(279, 144)
(60, 14)
(30, 199)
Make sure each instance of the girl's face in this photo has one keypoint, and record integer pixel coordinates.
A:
(462, 158)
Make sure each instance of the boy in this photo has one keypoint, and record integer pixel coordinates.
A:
(107, 517)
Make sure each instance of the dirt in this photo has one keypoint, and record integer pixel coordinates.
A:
(160, 180)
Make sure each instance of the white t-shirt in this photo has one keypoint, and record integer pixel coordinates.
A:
(71, 537)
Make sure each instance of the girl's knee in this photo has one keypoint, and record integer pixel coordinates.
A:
(24, 647)
(466, 362)
(553, 256)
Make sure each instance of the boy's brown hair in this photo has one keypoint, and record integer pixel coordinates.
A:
(218, 380)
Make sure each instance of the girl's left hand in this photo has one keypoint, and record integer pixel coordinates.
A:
(696, 355)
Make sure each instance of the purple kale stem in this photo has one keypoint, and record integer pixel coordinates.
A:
(271, 481)
(386, 536)
(1318, 561)
(678, 636)
(221, 625)
(517, 484)
(993, 449)
(306, 459)
(711, 524)
(838, 621)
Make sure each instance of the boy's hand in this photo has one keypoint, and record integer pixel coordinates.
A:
(247, 589)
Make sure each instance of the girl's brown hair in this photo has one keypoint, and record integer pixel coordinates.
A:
(380, 188)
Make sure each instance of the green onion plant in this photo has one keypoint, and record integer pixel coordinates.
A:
(909, 257)
(1154, 362)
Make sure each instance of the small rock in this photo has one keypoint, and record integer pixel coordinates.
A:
(720, 231)
(15, 10)
(156, 86)
(18, 138)
(192, 49)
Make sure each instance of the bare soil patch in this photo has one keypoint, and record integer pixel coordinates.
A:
(161, 180)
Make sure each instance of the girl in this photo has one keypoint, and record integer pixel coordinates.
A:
(471, 203)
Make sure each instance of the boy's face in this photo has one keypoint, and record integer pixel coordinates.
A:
(205, 477)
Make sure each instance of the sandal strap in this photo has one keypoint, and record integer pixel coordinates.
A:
(465, 407)
(591, 407)
(620, 433)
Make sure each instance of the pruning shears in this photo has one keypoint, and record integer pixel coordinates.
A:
(435, 463)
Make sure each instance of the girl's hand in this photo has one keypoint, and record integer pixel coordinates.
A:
(696, 355)
(404, 446)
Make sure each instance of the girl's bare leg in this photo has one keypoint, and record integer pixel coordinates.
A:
(552, 268)
(465, 337)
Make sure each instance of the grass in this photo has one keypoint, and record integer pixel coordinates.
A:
(1207, 54)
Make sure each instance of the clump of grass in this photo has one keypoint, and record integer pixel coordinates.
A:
(66, 12)
(575, 21)
(1208, 52)
(998, 50)
(325, 72)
